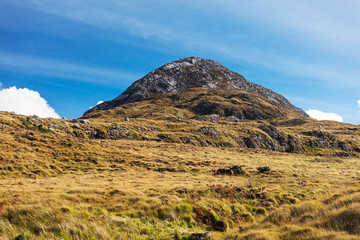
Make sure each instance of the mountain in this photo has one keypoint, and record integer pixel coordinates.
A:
(190, 151)
(208, 88)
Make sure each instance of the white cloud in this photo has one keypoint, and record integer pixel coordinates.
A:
(1, 85)
(25, 101)
(319, 115)
(358, 102)
(99, 102)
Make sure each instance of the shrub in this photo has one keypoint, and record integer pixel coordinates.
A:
(232, 171)
(264, 169)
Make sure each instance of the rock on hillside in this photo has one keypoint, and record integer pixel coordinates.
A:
(193, 72)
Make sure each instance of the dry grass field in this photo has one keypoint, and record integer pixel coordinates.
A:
(57, 183)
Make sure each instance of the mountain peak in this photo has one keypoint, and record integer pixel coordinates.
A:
(192, 72)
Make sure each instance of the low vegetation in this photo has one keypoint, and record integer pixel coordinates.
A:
(59, 183)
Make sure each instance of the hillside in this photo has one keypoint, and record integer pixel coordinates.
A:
(57, 183)
(210, 156)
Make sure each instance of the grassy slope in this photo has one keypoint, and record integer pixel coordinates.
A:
(59, 186)
(190, 104)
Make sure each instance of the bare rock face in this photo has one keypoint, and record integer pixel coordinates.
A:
(192, 72)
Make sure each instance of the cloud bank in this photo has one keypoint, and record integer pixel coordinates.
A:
(319, 115)
(25, 101)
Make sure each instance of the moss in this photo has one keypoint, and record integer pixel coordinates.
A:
(184, 208)
(191, 223)
(66, 210)
(260, 211)
(164, 213)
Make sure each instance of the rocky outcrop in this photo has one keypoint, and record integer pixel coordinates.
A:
(196, 72)
(273, 140)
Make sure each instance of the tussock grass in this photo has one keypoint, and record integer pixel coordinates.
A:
(56, 185)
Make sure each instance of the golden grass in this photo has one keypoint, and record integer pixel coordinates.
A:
(55, 185)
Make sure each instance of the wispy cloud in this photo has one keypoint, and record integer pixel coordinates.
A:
(304, 30)
(59, 69)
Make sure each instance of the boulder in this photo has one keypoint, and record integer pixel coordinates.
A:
(85, 121)
(211, 132)
(200, 236)
(188, 140)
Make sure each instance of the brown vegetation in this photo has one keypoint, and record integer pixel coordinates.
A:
(59, 183)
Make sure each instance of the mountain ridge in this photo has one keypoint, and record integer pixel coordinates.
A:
(192, 72)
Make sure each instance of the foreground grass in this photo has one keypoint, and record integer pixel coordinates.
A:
(300, 198)
(58, 186)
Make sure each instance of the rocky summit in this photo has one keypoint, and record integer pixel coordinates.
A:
(198, 73)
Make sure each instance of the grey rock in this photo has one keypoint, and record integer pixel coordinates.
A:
(211, 118)
(74, 120)
(126, 119)
(65, 123)
(201, 236)
(193, 72)
(119, 132)
(115, 133)
(211, 132)
(188, 140)
(274, 140)
(89, 133)
(76, 126)
(241, 143)
(345, 147)
(85, 121)
(322, 144)
(322, 135)
(35, 117)
(232, 119)
(53, 125)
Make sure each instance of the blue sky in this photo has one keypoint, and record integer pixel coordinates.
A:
(77, 52)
